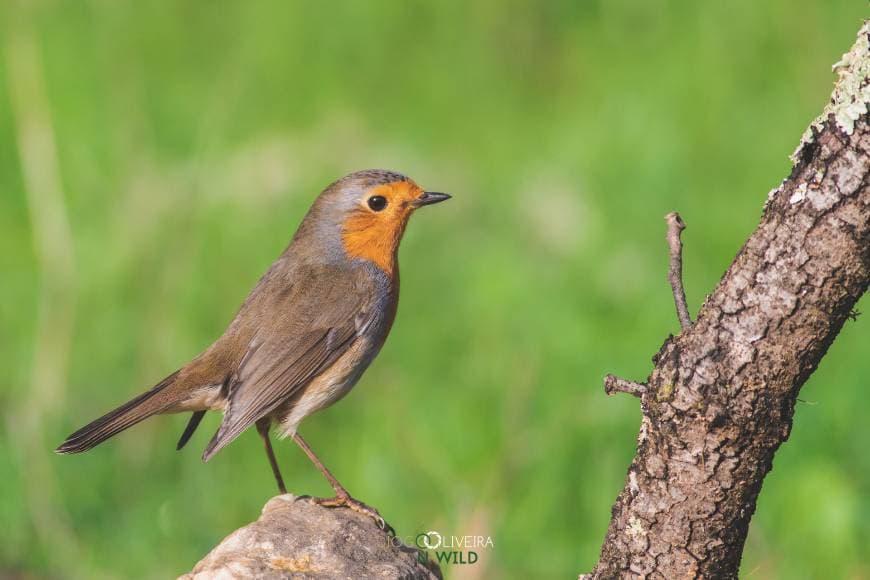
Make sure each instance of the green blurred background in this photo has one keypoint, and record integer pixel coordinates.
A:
(156, 156)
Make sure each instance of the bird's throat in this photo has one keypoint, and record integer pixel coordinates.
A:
(367, 237)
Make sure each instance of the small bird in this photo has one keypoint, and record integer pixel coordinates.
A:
(304, 335)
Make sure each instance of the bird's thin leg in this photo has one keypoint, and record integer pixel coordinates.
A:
(339, 489)
(263, 429)
(342, 497)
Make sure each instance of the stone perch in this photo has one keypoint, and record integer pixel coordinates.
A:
(295, 538)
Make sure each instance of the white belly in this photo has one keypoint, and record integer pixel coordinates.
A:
(326, 389)
(207, 398)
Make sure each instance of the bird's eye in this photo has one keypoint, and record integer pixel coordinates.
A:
(377, 202)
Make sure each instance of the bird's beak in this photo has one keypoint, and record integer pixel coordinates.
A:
(428, 198)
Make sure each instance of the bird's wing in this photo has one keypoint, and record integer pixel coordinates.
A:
(308, 328)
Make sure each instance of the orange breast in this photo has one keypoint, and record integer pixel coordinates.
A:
(370, 238)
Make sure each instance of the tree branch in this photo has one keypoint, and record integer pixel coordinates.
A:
(613, 384)
(676, 225)
(721, 397)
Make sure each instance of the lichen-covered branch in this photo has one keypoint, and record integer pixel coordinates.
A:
(721, 397)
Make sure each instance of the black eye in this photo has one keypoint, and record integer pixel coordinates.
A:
(377, 202)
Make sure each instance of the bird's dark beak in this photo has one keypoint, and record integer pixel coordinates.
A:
(428, 198)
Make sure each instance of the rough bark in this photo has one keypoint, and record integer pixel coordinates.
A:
(295, 538)
(720, 399)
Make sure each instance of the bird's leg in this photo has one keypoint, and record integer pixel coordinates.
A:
(342, 497)
(263, 429)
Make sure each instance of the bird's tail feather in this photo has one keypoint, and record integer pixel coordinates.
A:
(145, 405)
(195, 418)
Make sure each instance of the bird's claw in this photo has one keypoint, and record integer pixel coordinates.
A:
(357, 506)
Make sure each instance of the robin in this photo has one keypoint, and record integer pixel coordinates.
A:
(304, 335)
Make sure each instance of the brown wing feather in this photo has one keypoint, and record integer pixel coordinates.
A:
(319, 322)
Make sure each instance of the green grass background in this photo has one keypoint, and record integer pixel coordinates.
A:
(190, 138)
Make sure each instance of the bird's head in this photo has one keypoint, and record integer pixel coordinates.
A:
(367, 212)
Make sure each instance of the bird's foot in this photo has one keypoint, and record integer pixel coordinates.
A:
(345, 500)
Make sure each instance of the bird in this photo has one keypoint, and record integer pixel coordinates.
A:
(303, 336)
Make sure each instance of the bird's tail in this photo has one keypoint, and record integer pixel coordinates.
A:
(147, 404)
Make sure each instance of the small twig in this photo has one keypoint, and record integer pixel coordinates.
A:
(676, 225)
(613, 384)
